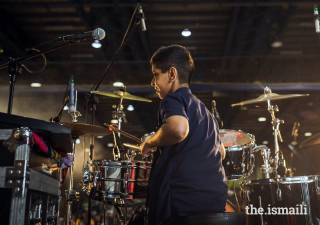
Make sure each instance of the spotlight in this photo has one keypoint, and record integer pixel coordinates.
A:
(110, 145)
(308, 134)
(276, 44)
(130, 108)
(262, 119)
(35, 85)
(96, 44)
(186, 32)
(114, 121)
(118, 84)
(78, 141)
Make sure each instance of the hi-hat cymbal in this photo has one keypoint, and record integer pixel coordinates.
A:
(269, 96)
(121, 94)
(81, 129)
(314, 140)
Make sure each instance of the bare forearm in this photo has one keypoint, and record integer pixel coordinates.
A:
(172, 132)
(164, 138)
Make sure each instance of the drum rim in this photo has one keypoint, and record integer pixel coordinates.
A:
(297, 179)
(270, 180)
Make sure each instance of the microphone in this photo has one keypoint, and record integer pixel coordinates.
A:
(316, 19)
(71, 101)
(143, 22)
(216, 114)
(97, 34)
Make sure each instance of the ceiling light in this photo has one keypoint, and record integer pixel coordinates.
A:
(35, 85)
(265, 142)
(114, 121)
(308, 134)
(96, 44)
(262, 119)
(78, 141)
(118, 84)
(99, 136)
(276, 44)
(186, 32)
(110, 145)
(130, 108)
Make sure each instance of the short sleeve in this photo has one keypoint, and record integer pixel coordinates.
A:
(172, 105)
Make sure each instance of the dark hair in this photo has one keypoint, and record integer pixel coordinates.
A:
(175, 56)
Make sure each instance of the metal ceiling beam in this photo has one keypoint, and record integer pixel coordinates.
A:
(231, 31)
(283, 25)
(159, 3)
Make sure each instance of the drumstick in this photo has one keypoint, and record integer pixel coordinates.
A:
(123, 133)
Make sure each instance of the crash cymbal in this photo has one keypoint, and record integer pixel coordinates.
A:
(121, 94)
(81, 129)
(269, 96)
(314, 140)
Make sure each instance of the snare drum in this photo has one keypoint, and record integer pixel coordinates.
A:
(112, 180)
(239, 160)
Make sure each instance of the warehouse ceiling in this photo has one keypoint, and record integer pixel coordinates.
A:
(231, 43)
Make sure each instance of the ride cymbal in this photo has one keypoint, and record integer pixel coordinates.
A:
(268, 96)
(121, 94)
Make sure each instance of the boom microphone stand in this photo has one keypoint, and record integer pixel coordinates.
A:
(15, 69)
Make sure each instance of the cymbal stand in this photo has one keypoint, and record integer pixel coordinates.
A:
(120, 115)
(275, 126)
(72, 195)
(266, 169)
(292, 146)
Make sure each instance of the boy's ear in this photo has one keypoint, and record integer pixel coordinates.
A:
(173, 74)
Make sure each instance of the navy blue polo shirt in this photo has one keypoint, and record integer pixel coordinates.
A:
(188, 177)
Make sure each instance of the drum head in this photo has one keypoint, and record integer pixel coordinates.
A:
(234, 138)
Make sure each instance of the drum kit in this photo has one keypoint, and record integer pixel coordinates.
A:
(123, 182)
(283, 199)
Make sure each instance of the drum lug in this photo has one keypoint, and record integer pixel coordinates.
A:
(279, 194)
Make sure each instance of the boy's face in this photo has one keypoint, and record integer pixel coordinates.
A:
(161, 82)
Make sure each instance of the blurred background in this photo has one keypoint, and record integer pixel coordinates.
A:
(239, 47)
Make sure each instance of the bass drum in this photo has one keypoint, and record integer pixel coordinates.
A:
(239, 160)
(262, 193)
(302, 193)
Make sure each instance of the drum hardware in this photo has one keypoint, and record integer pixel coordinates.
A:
(260, 205)
(35, 212)
(115, 150)
(267, 97)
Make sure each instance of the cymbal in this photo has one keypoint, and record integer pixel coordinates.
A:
(121, 94)
(314, 140)
(269, 96)
(81, 129)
